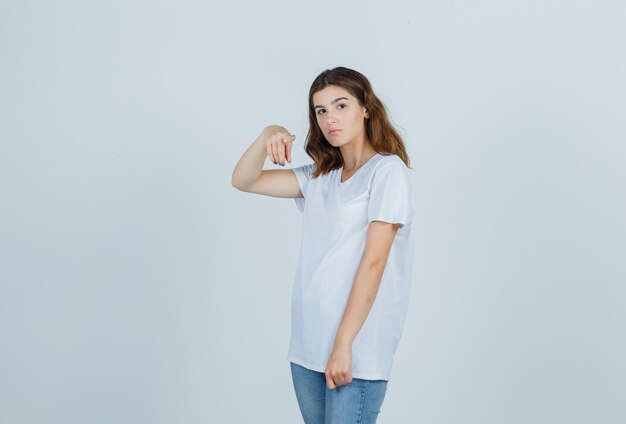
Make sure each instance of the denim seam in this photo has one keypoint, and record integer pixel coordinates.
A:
(361, 404)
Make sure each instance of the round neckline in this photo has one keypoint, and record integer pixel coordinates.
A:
(355, 172)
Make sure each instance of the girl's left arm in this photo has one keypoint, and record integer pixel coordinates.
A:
(379, 240)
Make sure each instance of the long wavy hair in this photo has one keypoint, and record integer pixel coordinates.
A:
(383, 136)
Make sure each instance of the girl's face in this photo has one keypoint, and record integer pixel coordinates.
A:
(337, 109)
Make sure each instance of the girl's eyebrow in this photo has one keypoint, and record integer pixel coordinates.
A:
(333, 102)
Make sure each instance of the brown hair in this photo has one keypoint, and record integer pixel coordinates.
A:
(384, 138)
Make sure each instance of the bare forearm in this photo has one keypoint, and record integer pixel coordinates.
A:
(362, 296)
(250, 166)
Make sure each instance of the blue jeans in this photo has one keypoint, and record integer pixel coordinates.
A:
(358, 402)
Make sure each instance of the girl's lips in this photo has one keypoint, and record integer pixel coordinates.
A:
(333, 132)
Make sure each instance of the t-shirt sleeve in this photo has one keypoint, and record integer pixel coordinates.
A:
(391, 195)
(303, 173)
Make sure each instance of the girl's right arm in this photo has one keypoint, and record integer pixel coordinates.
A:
(249, 175)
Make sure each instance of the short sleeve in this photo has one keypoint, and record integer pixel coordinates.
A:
(303, 173)
(391, 195)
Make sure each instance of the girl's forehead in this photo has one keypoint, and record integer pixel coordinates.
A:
(331, 92)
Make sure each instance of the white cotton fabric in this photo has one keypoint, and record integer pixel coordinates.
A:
(334, 226)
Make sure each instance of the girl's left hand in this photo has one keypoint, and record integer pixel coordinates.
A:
(339, 368)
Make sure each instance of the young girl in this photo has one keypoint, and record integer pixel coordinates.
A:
(352, 283)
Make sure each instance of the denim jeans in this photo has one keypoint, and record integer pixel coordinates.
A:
(357, 402)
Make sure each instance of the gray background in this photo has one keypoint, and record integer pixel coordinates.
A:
(139, 286)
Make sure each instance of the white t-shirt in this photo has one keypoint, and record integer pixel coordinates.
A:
(334, 226)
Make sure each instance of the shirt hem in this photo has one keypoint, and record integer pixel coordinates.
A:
(355, 374)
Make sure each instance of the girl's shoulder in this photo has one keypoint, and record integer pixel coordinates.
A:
(389, 158)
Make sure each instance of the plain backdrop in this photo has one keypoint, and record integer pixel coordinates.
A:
(138, 286)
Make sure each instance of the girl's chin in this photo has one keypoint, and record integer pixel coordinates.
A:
(338, 142)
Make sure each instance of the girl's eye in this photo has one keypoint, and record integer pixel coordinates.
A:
(340, 106)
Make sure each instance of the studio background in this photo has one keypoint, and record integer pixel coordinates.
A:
(138, 286)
